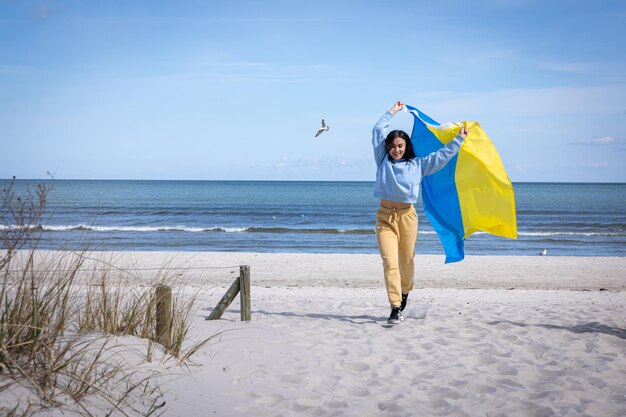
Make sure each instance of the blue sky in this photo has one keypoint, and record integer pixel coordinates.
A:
(236, 89)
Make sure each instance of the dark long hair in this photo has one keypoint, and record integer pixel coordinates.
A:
(409, 153)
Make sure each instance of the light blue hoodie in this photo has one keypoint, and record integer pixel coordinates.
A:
(400, 180)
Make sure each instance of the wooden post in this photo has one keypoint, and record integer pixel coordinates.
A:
(244, 292)
(240, 285)
(164, 315)
(228, 298)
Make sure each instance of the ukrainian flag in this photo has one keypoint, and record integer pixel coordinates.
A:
(471, 193)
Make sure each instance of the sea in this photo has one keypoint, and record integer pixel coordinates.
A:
(564, 219)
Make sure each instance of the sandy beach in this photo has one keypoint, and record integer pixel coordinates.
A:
(489, 336)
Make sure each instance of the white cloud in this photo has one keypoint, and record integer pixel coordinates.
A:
(530, 102)
(611, 71)
(203, 73)
(568, 67)
(600, 141)
(332, 168)
(13, 69)
(320, 164)
(600, 165)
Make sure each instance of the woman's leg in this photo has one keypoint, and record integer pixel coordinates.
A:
(387, 238)
(407, 232)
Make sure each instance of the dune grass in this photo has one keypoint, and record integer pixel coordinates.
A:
(62, 316)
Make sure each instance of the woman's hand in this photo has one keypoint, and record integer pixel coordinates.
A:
(463, 132)
(397, 106)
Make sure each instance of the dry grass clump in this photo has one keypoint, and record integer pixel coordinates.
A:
(61, 319)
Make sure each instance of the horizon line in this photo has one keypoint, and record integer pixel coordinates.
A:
(273, 180)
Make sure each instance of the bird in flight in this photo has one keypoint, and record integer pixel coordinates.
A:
(322, 129)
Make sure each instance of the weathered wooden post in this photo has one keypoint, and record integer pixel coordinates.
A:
(228, 298)
(244, 292)
(164, 315)
(240, 285)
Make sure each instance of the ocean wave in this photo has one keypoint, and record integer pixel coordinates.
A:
(544, 234)
(138, 229)
(330, 231)
(558, 233)
(143, 229)
(273, 230)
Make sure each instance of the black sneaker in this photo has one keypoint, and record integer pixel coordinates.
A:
(405, 297)
(395, 317)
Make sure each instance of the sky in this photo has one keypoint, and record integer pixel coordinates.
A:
(236, 90)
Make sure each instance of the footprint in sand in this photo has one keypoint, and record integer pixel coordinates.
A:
(355, 367)
(305, 409)
(389, 406)
(441, 342)
(427, 346)
(538, 350)
(336, 404)
(486, 360)
(291, 378)
(479, 388)
(597, 382)
(550, 374)
(439, 403)
(510, 383)
(268, 400)
(327, 350)
(507, 370)
(450, 393)
(358, 392)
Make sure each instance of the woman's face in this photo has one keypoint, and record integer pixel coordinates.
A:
(397, 148)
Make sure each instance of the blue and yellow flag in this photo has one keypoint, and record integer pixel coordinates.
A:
(472, 192)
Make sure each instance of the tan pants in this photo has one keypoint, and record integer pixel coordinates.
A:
(396, 233)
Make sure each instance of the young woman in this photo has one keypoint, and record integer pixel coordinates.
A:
(399, 174)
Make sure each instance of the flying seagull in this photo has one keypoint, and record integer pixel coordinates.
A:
(322, 129)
